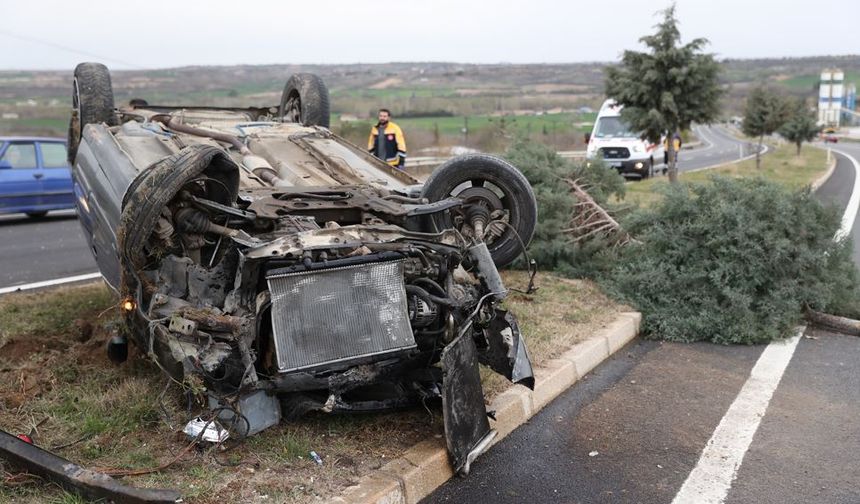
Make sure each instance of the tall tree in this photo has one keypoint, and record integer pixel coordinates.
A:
(801, 125)
(764, 113)
(668, 87)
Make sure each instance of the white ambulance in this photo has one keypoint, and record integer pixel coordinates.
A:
(612, 140)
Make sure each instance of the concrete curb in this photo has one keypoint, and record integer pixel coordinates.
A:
(425, 466)
(824, 178)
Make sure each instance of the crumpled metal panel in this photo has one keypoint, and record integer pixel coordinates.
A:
(467, 430)
(339, 314)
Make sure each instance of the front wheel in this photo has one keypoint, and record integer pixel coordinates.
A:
(489, 186)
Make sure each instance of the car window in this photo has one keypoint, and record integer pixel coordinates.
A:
(53, 155)
(20, 155)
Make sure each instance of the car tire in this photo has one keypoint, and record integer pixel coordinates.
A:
(305, 101)
(37, 215)
(517, 199)
(155, 187)
(92, 102)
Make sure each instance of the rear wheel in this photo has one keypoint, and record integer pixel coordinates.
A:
(305, 101)
(489, 185)
(92, 102)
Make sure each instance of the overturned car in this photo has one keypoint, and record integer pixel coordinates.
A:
(282, 269)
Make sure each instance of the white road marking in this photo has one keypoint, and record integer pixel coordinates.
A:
(853, 202)
(50, 283)
(700, 132)
(764, 150)
(711, 479)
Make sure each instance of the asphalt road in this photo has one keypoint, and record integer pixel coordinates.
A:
(635, 428)
(719, 146)
(33, 250)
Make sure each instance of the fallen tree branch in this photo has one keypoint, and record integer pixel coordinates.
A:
(833, 322)
(590, 220)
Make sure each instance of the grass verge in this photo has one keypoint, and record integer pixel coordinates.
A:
(56, 383)
(780, 165)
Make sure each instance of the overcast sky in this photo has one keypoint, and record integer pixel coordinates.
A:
(47, 34)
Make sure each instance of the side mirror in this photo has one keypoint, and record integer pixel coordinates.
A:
(5, 164)
(587, 137)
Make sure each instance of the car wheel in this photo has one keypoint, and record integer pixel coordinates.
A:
(497, 186)
(305, 101)
(92, 102)
(37, 215)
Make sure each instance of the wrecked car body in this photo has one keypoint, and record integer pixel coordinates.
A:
(284, 270)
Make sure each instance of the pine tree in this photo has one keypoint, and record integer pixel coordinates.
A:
(764, 113)
(801, 126)
(668, 87)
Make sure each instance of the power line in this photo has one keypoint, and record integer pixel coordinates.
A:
(69, 49)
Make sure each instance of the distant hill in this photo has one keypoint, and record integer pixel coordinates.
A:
(40, 99)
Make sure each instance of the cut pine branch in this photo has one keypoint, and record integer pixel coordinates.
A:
(590, 220)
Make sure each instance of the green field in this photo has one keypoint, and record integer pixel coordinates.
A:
(810, 81)
(780, 165)
(52, 125)
(386, 93)
(453, 125)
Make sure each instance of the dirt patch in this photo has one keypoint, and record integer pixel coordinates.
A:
(387, 83)
(17, 350)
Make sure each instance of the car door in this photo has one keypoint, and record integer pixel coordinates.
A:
(57, 180)
(20, 177)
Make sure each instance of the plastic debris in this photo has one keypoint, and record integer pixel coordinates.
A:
(316, 458)
(213, 432)
(593, 453)
(25, 438)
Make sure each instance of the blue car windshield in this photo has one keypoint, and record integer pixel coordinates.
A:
(608, 127)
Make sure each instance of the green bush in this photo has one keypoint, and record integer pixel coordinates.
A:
(547, 172)
(733, 261)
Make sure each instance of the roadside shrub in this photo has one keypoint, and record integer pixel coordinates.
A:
(734, 261)
(547, 172)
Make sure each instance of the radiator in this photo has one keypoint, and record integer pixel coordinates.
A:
(338, 315)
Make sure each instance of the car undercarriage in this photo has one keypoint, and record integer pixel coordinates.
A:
(275, 269)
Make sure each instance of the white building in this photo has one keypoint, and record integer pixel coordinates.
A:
(830, 96)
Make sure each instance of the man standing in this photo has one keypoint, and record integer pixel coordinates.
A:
(386, 141)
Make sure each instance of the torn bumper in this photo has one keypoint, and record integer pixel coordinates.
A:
(75, 478)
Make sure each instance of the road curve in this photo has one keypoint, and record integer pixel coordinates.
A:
(718, 147)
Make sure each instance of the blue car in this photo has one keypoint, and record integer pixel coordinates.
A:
(35, 176)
